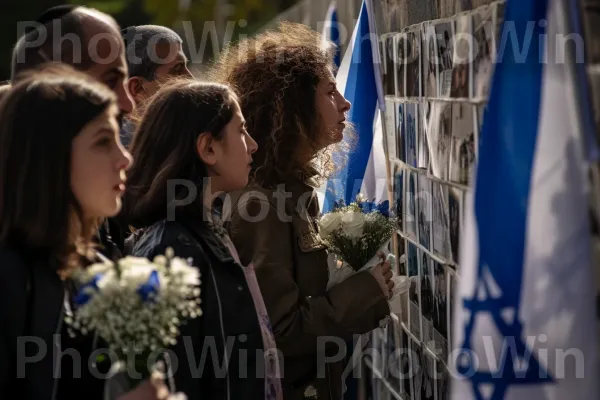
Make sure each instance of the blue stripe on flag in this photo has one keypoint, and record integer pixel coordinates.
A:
(361, 91)
(502, 191)
(507, 148)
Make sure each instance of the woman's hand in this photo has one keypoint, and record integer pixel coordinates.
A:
(382, 273)
(153, 388)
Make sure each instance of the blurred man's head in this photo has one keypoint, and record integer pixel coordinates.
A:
(154, 54)
(84, 38)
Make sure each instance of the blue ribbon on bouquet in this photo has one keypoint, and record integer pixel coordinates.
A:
(83, 296)
(150, 288)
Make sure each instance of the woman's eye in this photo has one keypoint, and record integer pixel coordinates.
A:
(104, 142)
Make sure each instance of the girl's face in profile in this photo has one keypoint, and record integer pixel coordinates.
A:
(98, 164)
(230, 158)
(331, 109)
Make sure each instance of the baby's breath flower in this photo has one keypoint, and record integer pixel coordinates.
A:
(120, 316)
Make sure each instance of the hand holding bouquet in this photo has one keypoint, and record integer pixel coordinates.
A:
(357, 236)
(136, 306)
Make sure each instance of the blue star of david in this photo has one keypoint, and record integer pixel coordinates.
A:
(492, 385)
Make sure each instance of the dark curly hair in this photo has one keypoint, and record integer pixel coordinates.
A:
(275, 75)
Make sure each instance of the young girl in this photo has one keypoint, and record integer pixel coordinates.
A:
(190, 150)
(61, 169)
(294, 111)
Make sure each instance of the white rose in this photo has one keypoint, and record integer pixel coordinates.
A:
(329, 223)
(98, 268)
(353, 224)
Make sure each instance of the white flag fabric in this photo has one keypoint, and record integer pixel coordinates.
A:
(524, 326)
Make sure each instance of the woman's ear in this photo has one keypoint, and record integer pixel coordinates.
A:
(206, 149)
(135, 86)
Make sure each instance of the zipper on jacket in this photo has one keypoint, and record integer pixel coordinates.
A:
(56, 343)
(225, 359)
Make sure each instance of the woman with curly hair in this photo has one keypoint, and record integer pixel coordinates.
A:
(284, 80)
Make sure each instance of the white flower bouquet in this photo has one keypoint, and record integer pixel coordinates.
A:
(136, 306)
(357, 236)
(357, 232)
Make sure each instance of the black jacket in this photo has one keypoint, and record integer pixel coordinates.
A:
(228, 316)
(31, 314)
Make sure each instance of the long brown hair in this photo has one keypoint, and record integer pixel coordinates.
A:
(166, 166)
(275, 76)
(39, 117)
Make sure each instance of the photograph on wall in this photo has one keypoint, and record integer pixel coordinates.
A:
(439, 138)
(400, 131)
(445, 47)
(462, 154)
(426, 297)
(411, 122)
(424, 211)
(451, 302)
(479, 111)
(414, 310)
(440, 223)
(404, 364)
(389, 70)
(483, 49)
(422, 143)
(439, 312)
(413, 64)
(392, 362)
(462, 57)
(400, 254)
(425, 127)
(398, 190)
(390, 129)
(410, 206)
(442, 379)
(429, 61)
(423, 373)
(400, 58)
(455, 208)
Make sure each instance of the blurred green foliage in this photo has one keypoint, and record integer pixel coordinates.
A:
(200, 15)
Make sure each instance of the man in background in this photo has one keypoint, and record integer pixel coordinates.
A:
(84, 38)
(154, 54)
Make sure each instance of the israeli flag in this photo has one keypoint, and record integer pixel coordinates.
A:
(359, 80)
(331, 30)
(525, 322)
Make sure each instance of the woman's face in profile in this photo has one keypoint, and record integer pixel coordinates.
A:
(331, 108)
(98, 165)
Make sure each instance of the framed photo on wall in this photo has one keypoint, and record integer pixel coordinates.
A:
(400, 58)
(462, 153)
(414, 291)
(430, 69)
(413, 64)
(445, 53)
(390, 130)
(461, 76)
(411, 119)
(483, 50)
